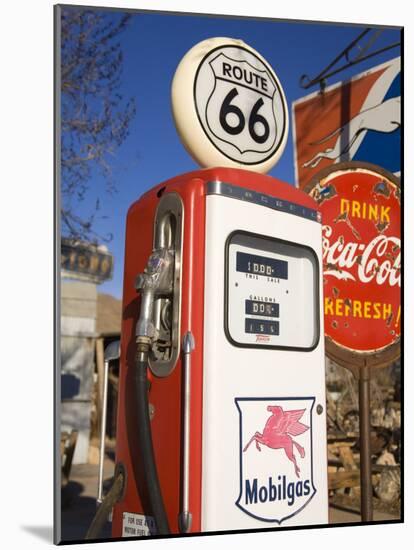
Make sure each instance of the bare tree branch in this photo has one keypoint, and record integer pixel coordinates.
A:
(95, 118)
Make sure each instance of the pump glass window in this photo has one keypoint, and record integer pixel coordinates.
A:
(272, 293)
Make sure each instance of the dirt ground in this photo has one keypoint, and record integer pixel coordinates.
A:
(79, 504)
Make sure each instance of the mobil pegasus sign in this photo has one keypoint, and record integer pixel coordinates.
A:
(360, 207)
(358, 119)
(276, 456)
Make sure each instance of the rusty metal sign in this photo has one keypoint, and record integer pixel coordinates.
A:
(361, 217)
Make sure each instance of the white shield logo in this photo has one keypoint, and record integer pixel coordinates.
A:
(276, 456)
(229, 106)
(240, 109)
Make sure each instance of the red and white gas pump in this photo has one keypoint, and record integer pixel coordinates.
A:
(221, 410)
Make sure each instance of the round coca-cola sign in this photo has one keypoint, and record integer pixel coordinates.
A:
(361, 240)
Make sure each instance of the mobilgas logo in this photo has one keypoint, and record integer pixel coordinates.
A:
(276, 461)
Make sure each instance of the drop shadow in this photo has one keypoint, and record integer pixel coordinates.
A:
(42, 532)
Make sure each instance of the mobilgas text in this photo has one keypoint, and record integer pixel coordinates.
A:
(271, 492)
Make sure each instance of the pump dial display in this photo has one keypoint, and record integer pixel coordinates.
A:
(260, 265)
(254, 307)
(272, 293)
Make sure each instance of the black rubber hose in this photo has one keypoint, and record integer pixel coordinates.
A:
(101, 516)
(147, 449)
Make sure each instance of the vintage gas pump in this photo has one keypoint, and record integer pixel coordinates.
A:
(221, 411)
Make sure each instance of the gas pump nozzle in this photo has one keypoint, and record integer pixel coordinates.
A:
(155, 281)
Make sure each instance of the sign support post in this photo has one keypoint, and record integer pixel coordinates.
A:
(364, 384)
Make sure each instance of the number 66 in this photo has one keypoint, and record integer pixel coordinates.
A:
(254, 118)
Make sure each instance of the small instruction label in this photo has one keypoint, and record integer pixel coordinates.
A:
(137, 525)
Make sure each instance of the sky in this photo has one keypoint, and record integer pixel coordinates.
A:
(153, 46)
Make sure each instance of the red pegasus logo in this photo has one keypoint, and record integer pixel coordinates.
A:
(279, 428)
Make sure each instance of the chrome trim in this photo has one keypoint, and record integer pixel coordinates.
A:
(168, 233)
(262, 199)
(185, 517)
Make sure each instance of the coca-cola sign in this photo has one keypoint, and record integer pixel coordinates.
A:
(361, 239)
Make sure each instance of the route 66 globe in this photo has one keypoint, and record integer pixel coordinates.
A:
(229, 107)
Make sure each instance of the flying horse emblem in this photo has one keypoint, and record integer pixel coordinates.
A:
(278, 432)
